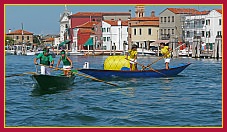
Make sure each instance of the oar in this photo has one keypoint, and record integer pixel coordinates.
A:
(143, 67)
(149, 65)
(93, 78)
(22, 74)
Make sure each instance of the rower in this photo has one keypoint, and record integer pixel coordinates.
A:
(67, 63)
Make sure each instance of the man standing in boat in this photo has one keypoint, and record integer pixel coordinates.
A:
(46, 61)
(67, 62)
(166, 52)
(132, 57)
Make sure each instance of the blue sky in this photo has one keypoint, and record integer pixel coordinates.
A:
(44, 19)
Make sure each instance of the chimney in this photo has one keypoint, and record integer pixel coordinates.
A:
(152, 13)
(9, 30)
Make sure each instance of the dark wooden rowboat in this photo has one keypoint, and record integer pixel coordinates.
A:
(49, 81)
(97, 73)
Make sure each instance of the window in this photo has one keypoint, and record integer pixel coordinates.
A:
(27, 37)
(66, 25)
(17, 37)
(168, 31)
(195, 33)
(140, 31)
(219, 33)
(188, 34)
(208, 34)
(22, 37)
(164, 19)
(203, 33)
(104, 39)
(219, 21)
(108, 38)
(108, 29)
(161, 31)
(203, 22)
(173, 31)
(103, 29)
(172, 18)
(208, 22)
(134, 31)
(161, 20)
(149, 31)
(168, 18)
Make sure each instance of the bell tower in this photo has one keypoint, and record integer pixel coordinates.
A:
(139, 11)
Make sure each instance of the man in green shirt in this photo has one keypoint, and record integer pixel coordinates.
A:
(46, 60)
(67, 62)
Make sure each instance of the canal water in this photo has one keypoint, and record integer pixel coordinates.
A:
(193, 98)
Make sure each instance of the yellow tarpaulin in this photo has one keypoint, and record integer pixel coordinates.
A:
(116, 63)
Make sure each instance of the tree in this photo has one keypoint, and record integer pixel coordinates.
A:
(8, 40)
(36, 39)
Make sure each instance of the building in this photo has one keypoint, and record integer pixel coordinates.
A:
(83, 17)
(115, 34)
(171, 23)
(83, 33)
(206, 25)
(143, 30)
(20, 36)
(64, 27)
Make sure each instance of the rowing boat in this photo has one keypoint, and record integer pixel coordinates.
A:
(50, 81)
(101, 74)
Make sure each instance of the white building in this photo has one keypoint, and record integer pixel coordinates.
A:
(64, 24)
(206, 24)
(115, 35)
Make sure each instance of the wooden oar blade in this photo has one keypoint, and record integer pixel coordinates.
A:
(26, 73)
(93, 78)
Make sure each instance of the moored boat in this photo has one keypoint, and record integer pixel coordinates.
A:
(50, 81)
(126, 73)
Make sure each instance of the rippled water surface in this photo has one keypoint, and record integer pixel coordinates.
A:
(193, 98)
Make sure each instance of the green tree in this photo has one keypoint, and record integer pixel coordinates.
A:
(8, 40)
(36, 39)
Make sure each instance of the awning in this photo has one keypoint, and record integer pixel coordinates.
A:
(89, 42)
(64, 42)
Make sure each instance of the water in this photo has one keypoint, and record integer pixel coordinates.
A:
(194, 98)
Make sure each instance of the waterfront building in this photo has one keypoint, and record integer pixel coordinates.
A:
(115, 34)
(206, 25)
(172, 22)
(83, 17)
(64, 27)
(85, 32)
(143, 30)
(20, 36)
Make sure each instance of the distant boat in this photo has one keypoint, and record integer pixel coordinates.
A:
(30, 53)
(185, 52)
(145, 52)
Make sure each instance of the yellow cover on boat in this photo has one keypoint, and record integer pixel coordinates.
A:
(116, 63)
